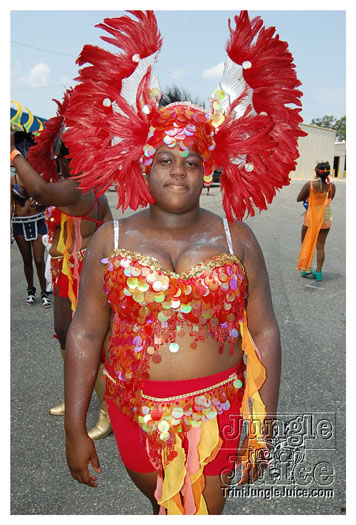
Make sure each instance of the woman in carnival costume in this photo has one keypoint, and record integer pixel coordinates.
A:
(72, 218)
(317, 196)
(181, 298)
(28, 226)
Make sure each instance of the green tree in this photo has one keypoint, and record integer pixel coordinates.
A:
(341, 128)
(329, 121)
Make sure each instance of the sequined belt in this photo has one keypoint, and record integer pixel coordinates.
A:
(57, 263)
(232, 377)
(80, 255)
(162, 417)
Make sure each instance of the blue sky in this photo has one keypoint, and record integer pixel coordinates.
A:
(45, 44)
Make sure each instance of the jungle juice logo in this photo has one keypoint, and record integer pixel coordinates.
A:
(297, 464)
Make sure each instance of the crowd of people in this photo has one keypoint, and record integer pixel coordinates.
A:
(185, 336)
(69, 218)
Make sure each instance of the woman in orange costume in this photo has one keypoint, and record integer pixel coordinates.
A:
(179, 295)
(72, 218)
(318, 195)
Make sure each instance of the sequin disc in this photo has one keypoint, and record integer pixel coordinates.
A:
(163, 426)
(173, 347)
(164, 436)
(237, 383)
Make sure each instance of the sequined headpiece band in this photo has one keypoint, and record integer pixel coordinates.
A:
(184, 125)
(250, 131)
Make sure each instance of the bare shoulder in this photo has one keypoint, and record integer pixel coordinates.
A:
(243, 239)
(102, 242)
(138, 220)
(243, 233)
(104, 238)
(103, 200)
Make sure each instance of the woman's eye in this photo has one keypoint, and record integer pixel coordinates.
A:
(192, 164)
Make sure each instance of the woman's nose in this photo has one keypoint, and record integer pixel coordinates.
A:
(178, 170)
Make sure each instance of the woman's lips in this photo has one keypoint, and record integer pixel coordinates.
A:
(177, 186)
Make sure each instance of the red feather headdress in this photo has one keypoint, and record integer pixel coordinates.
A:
(40, 155)
(252, 132)
(256, 144)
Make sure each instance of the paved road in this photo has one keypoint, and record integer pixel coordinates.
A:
(312, 319)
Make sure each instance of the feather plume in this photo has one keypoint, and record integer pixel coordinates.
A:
(107, 125)
(39, 156)
(258, 150)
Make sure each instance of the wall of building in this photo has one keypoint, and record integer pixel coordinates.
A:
(317, 146)
(340, 153)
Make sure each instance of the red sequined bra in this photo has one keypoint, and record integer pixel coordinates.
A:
(152, 306)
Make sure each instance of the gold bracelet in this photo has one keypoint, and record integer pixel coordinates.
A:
(14, 154)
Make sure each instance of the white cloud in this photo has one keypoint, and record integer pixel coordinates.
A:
(214, 72)
(38, 76)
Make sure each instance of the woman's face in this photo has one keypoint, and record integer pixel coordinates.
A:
(64, 167)
(176, 182)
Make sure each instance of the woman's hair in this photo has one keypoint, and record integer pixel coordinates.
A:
(175, 94)
(24, 140)
(322, 169)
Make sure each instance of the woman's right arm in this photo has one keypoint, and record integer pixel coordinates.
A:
(85, 340)
(62, 193)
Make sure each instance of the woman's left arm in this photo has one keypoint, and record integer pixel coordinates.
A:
(262, 322)
(263, 327)
(333, 190)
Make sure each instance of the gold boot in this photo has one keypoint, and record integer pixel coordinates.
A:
(58, 410)
(102, 427)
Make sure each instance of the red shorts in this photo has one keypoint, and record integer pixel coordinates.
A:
(128, 434)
